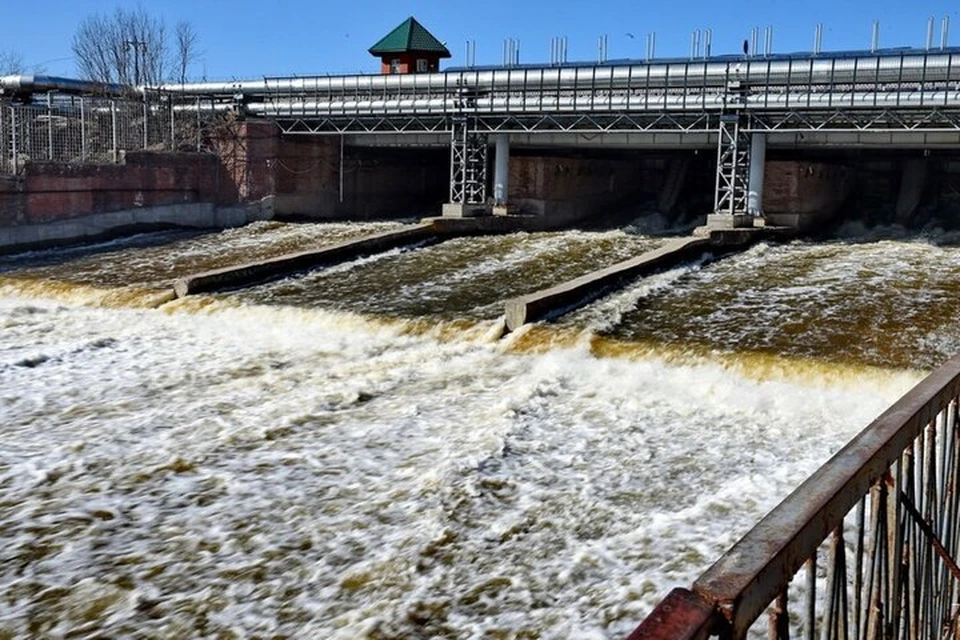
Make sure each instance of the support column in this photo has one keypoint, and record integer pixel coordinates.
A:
(733, 175)
(468, 171)
(912, 181)
(501, 171)
(758, 157)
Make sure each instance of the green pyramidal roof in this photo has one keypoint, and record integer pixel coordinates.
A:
(409, 37)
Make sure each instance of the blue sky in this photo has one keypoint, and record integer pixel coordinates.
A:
(246, 39)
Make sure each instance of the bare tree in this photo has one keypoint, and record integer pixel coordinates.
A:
(185, 53)
(130, 47)
(11, 63)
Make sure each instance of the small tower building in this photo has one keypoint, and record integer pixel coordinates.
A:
(409, 49)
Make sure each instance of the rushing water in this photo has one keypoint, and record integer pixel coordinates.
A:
(349, 453)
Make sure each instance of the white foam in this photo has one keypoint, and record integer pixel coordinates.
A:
(316, 475)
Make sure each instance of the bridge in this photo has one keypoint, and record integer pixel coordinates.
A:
(738, 105)
(905, 98)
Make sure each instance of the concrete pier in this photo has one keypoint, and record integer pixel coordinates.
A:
(254, 272)
(501, 173)
(563, 298)
(428, 231)
(758, 159)
(913, 179)
(555, 301)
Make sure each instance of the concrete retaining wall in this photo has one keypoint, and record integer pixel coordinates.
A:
(50, 192)
(198, 215)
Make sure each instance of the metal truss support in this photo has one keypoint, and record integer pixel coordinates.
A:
(733, 166)
(468, 163)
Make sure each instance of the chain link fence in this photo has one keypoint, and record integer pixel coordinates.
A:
(82, 129)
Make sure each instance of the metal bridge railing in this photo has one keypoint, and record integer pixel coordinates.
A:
(866, 548)
(82, 129)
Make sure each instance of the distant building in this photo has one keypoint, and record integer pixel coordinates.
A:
(409, 49)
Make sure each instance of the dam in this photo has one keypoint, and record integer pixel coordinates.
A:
(356, 447)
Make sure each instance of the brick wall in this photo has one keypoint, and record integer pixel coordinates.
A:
(804, 187)
(377, 183)
(47, 192)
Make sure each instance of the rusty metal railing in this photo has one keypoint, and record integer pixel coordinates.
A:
(865, 548)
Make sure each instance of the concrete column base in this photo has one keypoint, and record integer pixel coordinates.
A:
(500, 210)
(461, 210)
(718, 221)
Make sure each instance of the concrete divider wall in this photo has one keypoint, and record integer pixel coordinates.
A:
(548, 303)
(254, 272)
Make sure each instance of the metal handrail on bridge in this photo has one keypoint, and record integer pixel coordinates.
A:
(877, 529)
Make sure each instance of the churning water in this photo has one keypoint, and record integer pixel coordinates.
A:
(349, 453)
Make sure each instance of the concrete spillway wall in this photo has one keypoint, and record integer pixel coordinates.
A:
(50, 204)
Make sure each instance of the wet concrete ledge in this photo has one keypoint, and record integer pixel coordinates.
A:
(428, 231)
(548, 304)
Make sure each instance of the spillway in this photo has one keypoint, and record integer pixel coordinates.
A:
(292, 459)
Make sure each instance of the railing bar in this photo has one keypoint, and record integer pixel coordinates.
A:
(646, 90)
(810, 610)
(946, 88)
(913, 599)
(953, 496)
(858, 562)
(829, 594)
(870, 601)
(931, 504)
(803, 519)
(841, 597)
(920, 567)
(779, 624)
(895, 560)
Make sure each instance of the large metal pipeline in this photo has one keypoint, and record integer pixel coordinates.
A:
(28, 84)
(867, 69)
(536, 104)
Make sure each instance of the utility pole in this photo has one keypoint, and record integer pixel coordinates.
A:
(137, 46)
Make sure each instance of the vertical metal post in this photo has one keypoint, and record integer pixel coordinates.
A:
(113, 128)
(50, 126)
(146, 127)
(930, 33)
(875, 39)
(341, 168)
(199, 134)
(13, 140)
(83, 130)
(944, 32)
(173, 127)
(3, 141)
